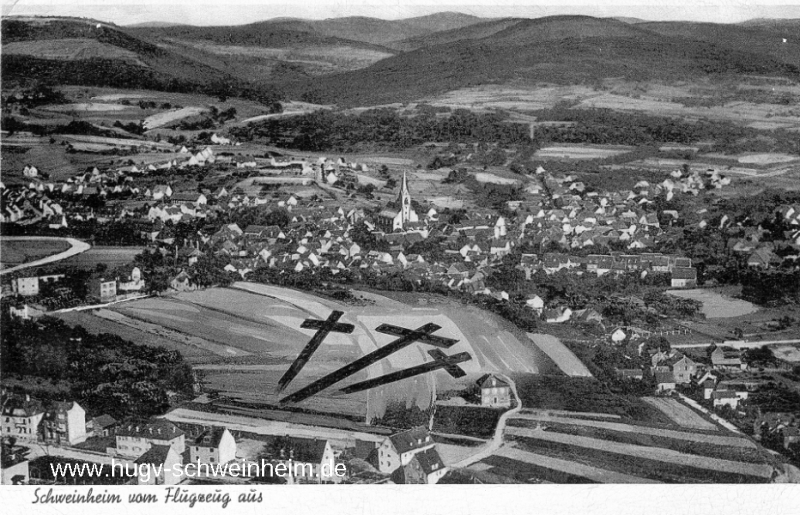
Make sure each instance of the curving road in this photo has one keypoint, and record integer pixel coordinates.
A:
(76, 247)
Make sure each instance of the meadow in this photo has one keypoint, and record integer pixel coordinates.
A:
(16, 252)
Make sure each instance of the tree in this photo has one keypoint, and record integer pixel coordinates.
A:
(361, 235)
(279, 217)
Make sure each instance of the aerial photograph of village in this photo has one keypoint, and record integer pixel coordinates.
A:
(460, 247)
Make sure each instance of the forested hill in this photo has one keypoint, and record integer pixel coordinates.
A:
(367, 61)
(87, 52)
(561, 50)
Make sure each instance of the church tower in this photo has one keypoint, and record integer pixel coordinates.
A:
(406, 214)
(405, 201)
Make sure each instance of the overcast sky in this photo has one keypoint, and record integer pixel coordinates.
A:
(205, 12)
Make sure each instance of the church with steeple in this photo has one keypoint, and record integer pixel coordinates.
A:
(391, 220)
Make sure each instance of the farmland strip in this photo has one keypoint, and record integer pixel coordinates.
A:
(680, 414)
(570, 467)
(565, 413)
(655, 453)
(560, 354)
(667, 433)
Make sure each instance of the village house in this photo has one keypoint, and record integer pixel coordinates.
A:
(161, 191)
(132, 282)
(557, 315)
(159, 465)
(134, 439)
(397, 450)
(763, 258)
(21, 417)
(104, 425)
(684, 277)
(683, 368)
(630, 373)
(727, 360)
(665, 382)
(725, 398)
(213, 446)
(307, 455)
(64, 423)
(535, 303)
(102, 289)
(425, 467)
(495, 392)
(30, 286)
(182, 282)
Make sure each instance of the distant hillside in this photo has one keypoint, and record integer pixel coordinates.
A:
(475, 31)
(750, 39)
(773, 23)
(368, 30)
(275, 51)
(559, 49)
(268, 34)
(442, 21)
(153, 24)
(384, 32)
(628, 19)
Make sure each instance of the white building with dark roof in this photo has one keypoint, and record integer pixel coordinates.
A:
(134, 439)
(495, 392)
(160, 465)
(397, 450)
(213, 446)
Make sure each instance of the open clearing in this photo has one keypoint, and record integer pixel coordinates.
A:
(654, 98)
(111, 256)
(682, 415)
(581, 152)
(161, 119)
(652, 453)
(716, 305)
(116, 97)
(790, 353)
(70, 49)
(86, 107)
(494, 179)
(767, 159)
(563, 357)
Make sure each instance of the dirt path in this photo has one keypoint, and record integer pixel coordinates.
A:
(76, 247)
(497, 440)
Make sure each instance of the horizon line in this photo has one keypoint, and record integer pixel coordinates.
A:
(161, 21)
